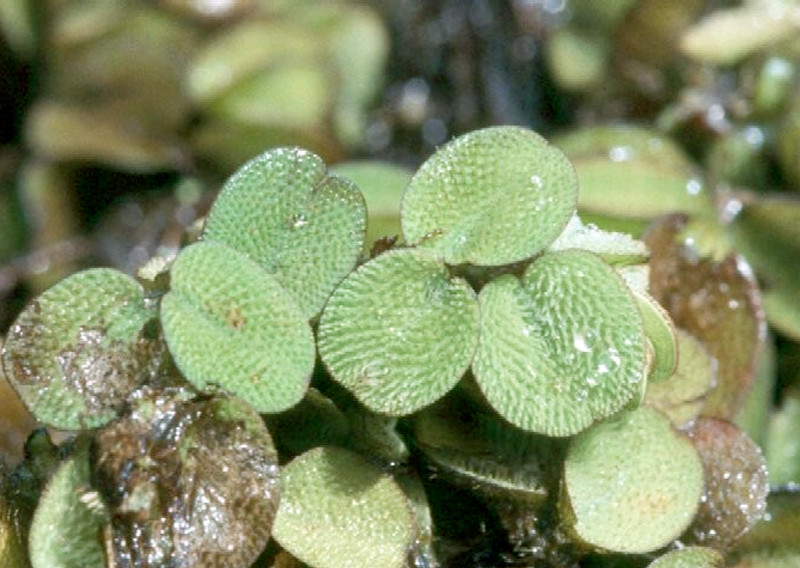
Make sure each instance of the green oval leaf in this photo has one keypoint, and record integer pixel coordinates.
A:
(187, 482)
(660, 333)
(399, 332)
(67, 524)
(339, 511)
(76, 352)
(562, 349)
(286, 213)
(490, 197)
(632, 484)
(229, 325)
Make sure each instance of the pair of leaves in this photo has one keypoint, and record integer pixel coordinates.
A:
(237, 312)
(401, 331)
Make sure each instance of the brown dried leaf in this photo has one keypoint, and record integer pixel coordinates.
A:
(736, 486)
(188, 482)
(717, 302)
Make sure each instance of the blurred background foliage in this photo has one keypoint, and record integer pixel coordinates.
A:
(119, 118)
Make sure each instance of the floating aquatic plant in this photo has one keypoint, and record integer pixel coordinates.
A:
(271, 383)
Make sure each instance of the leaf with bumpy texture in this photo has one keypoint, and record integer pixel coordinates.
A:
(561, 349)
(339, 511)
(399, 332)
(229, 325)
(286, 213)
(689, 557)
(632, 484)
(68, 519)
(491, 197)
(76, 352)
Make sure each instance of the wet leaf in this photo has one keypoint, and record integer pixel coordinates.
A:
(681, 397)
(773, 540)
(717, 302)
(399, 332)
(563, 348)
(229, 325)
(284, 211)
(736, 487)
(782, 446)
(382, 184)
(76, 352)
(69, 519)
(633, 173)
(188, 482)
(689, 557)
(490, 197)
(339, 511)
(632, 484)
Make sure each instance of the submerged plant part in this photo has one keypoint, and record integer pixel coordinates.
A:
(505, 353)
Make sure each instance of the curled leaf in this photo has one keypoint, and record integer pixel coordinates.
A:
(339, 511)
(563, 348)
(230, 326)
(76, 352)
(490, 197)
(399, 332)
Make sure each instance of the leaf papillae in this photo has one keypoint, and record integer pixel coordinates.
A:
(339, 511)
(562, 348)
(286, 213)
(229, 325)
(632, 484)
(491, 197)
(399, 332)
(68, 519)
(76, 352)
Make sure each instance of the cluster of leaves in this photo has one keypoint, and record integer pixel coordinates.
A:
(505, 346)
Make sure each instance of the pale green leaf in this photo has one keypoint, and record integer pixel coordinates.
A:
(615, 248)
(660, 332)
(399, 332)
(632, 484)
(230, 326)
(689, 557)
(490, 197)
(339, 511)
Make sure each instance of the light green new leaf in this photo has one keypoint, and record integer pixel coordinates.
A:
(632, 484)
(562, 349)
(68, 520)
(76, 352)
(399, 332)
(230, 326)
(339, 511)
(491, 197)
(286, 213)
